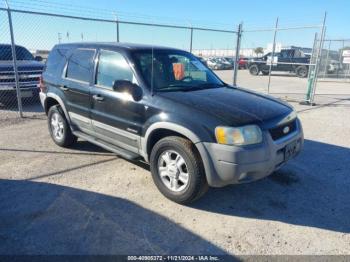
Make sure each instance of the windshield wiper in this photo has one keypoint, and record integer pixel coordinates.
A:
(186, 88)
(172, 88)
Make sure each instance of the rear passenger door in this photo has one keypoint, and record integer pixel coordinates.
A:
(116, 117)
(76, 86)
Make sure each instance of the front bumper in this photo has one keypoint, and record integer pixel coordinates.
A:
(42, 97)
(29, 91)
(226, 164)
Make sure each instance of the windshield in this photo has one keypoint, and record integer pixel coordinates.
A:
(21, 53)
(174, 71)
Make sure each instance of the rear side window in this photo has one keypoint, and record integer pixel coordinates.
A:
(112, 66)
(55, 58)
(80, 65)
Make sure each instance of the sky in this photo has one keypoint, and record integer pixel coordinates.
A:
(43, 32)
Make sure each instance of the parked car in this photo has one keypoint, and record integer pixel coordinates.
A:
(226, 64)
(215, 64)
(29, 72)
(288, 60)
(204, 61)
(333, 67)
(231, 60)
(163, 106)
(243, 63)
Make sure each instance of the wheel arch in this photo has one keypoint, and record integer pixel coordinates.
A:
(53, 99)
(160, 130)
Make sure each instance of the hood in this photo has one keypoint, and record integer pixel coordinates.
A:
(233, 106)
(257, 59)
(23, 65)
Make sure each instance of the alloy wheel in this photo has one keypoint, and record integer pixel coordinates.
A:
(173, 170)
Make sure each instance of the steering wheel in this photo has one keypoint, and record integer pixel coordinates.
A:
(187, 78)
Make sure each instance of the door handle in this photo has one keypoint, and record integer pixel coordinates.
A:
(64, 88)
(98, 97)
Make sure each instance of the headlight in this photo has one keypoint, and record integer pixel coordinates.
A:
(245, 135)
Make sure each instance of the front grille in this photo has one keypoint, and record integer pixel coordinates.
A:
(21, 79)
(27, 79)
(277, 132)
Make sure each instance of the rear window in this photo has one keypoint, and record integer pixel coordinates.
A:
(80, 65)
(55, 58)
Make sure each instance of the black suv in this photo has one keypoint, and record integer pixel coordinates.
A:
(163, 106)
(288, 60)
(29, 72)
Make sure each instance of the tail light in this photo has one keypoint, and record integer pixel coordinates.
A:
(42, 84)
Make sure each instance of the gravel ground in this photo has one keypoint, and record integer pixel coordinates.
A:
(85, 200)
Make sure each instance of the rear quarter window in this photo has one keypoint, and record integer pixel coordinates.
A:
(56, 59)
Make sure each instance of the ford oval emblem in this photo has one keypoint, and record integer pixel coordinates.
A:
(286, 130)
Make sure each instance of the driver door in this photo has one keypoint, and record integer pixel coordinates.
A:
(116, 117)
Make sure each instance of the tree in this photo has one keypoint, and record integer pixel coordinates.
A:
(258, 51)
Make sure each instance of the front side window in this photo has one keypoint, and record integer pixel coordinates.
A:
(171, 70)
(112, 66)
(80, 65)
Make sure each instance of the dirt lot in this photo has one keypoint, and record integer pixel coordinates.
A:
(288, 86)
(85, 200)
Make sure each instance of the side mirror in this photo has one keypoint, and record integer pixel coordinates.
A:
(126, 86)
(38, 58)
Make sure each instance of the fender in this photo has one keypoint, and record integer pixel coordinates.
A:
(60, 102)
(166, 125)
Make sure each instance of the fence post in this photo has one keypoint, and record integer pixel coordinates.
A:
(117, 26)
(318, 60)
(272, 55)
(311, 73)
(191, 40)
(14, 61)
(238, 47)
(118, 31)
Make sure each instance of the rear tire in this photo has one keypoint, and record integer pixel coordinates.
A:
(59, 128)
(301, 71)
(177, 170)
(254, 70)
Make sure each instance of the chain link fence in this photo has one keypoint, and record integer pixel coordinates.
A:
(8, 96)
(266, 60)
(332, 79)
(35, 33)
(335, 60)
(280, 60)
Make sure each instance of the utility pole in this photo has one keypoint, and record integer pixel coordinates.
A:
(272, 55)
(238, 47)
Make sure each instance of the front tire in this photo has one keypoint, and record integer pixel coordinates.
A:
(59, 128)
(177, 170)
